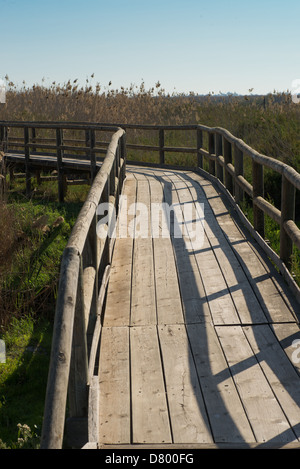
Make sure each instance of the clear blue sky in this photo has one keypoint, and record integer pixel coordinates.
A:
(188, 45)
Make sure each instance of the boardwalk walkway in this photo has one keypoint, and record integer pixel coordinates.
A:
(197, 343)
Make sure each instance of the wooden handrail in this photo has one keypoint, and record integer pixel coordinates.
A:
(225, 156)
(83, 280)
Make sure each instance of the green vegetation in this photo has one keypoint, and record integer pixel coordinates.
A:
(33, 235)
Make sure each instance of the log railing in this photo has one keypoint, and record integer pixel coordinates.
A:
(224, 156)
(214, 149)
(83, 279)
(217, 154)
(37, 141)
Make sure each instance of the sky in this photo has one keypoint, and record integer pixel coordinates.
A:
(189, 45)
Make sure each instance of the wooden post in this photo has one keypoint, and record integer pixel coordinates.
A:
(123, 155)
(227, 149)
(258, 191)
(161, 146)
(239, 171)
(199, 146)
(2, 137)
(60, 171)
(56, 394)
(92, 154)
(87, 142)
(27, 161)
(211, 150)
(288, 196)
(78, 383)
(219, 151)
(33, 138)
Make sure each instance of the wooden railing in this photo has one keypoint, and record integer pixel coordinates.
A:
(226, 156)
(214, 149)
(58, 140)
(83, 279)
(216, 153)
(218, 150)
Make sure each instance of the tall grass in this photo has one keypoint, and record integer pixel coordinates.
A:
(270, 124)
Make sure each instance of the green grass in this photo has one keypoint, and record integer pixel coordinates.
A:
(23, 379)
(28, 286)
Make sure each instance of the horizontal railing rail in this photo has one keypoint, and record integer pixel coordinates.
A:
(215, 152)
(84, 275)
(215, 149)
(29, 143)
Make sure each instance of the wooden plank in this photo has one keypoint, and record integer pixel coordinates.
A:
(203, 446)
(143, 303)
(265, 414)
(168, 300)
(222, 308)
(114, 373)
(194, 302)
(117, 311)
(227, 417)
(279, 371)
(150, 419)
(271, 299)
(94, 410)
(243, 296)
(187, 410)
(289, 337)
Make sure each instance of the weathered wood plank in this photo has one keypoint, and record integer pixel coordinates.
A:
(271, 299)
(227, 417)
(194, 301)
(289, 338)
(203, 446)
(168, 300)
(188, 415)
(150, 419)
(143, 304)
(114, 375)
(263, 410)
(244, 298)
(279, 371)
(222, 308)
(117, 310)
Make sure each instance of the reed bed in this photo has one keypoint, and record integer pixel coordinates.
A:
(270, 124)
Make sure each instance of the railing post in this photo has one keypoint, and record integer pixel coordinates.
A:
(161, 146)
(123, 155)
(288, 196)
(33, 138)
(211, 150)
(92, 154)
(56, 394)
(227, 149)
(258, 191)
(78, 382)
(219, 151)
(27, 161)
(199, 146)
(60, 171)
(2, 140)
(239, 171)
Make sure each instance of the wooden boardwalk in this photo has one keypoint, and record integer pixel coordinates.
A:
(197, 341)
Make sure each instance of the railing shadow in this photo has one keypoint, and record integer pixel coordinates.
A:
(183, 257)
